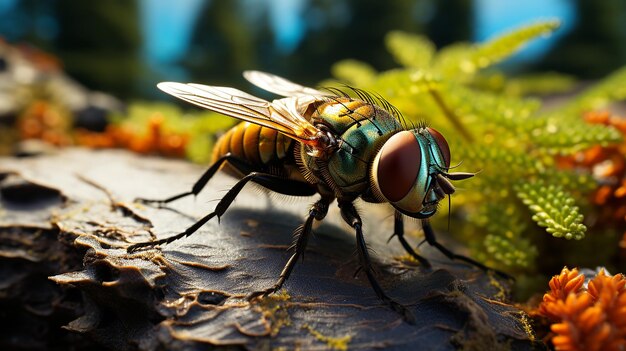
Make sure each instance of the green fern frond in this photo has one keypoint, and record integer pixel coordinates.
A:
(562, 136)
(553, 209)
(507, 113)
(503, 46)
(410, 50)
(451, 60)
(499, 167)
(539, 84)
(518, 117)
(579, 184)
(465, 59)
(504, 242)
(513, 252)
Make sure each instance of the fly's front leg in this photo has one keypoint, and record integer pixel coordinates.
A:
(272, 182)
(240, 164)
(318, 211)
(351, 216)
(398, 231)
(429, 234)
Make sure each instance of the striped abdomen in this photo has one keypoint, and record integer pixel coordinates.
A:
(262, 147)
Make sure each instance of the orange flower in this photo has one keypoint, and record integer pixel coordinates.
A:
(586, 319)
(569, 281)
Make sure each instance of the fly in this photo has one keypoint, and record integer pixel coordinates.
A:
(324, 143)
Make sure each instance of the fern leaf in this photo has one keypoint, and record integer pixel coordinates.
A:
(504, 242)
(464, 59)
(410, 50)
(451, 61)
(563, 136)
(513, 252)
(499, 48)
(553, 209)
(539, 84)
(512, 114)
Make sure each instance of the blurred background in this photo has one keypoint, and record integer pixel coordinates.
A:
(528, 105)
(124, 47)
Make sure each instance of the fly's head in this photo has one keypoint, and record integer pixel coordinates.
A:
(410, 171)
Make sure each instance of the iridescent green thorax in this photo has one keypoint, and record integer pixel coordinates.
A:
(363, 128)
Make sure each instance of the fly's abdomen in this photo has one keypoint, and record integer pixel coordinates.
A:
(262, 147)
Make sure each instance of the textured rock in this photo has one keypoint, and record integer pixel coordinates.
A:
(70, 215)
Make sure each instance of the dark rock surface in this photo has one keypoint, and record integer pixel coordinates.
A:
(70, 216)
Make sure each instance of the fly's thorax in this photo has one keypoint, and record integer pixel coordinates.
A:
(404, 171)
(359, 136)
(341, 113)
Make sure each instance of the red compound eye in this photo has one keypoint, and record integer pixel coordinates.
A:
(443, 145)
(398, 165)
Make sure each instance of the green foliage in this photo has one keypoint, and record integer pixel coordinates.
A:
(410, 50)
(503, 245)
(531, 84)
(553, 209)
(539, 84)
(494, 128)
(461, 60)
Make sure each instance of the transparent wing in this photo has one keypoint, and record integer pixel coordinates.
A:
(281, 115)
(281, 86)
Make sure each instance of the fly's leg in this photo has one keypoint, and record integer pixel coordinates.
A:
(398, 231)
(238, 163)
(272, 182)
(429, 234)
(318, 211)
(351, 216)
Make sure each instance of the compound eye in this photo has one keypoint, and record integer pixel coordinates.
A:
(398, 165)
(442, 144)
